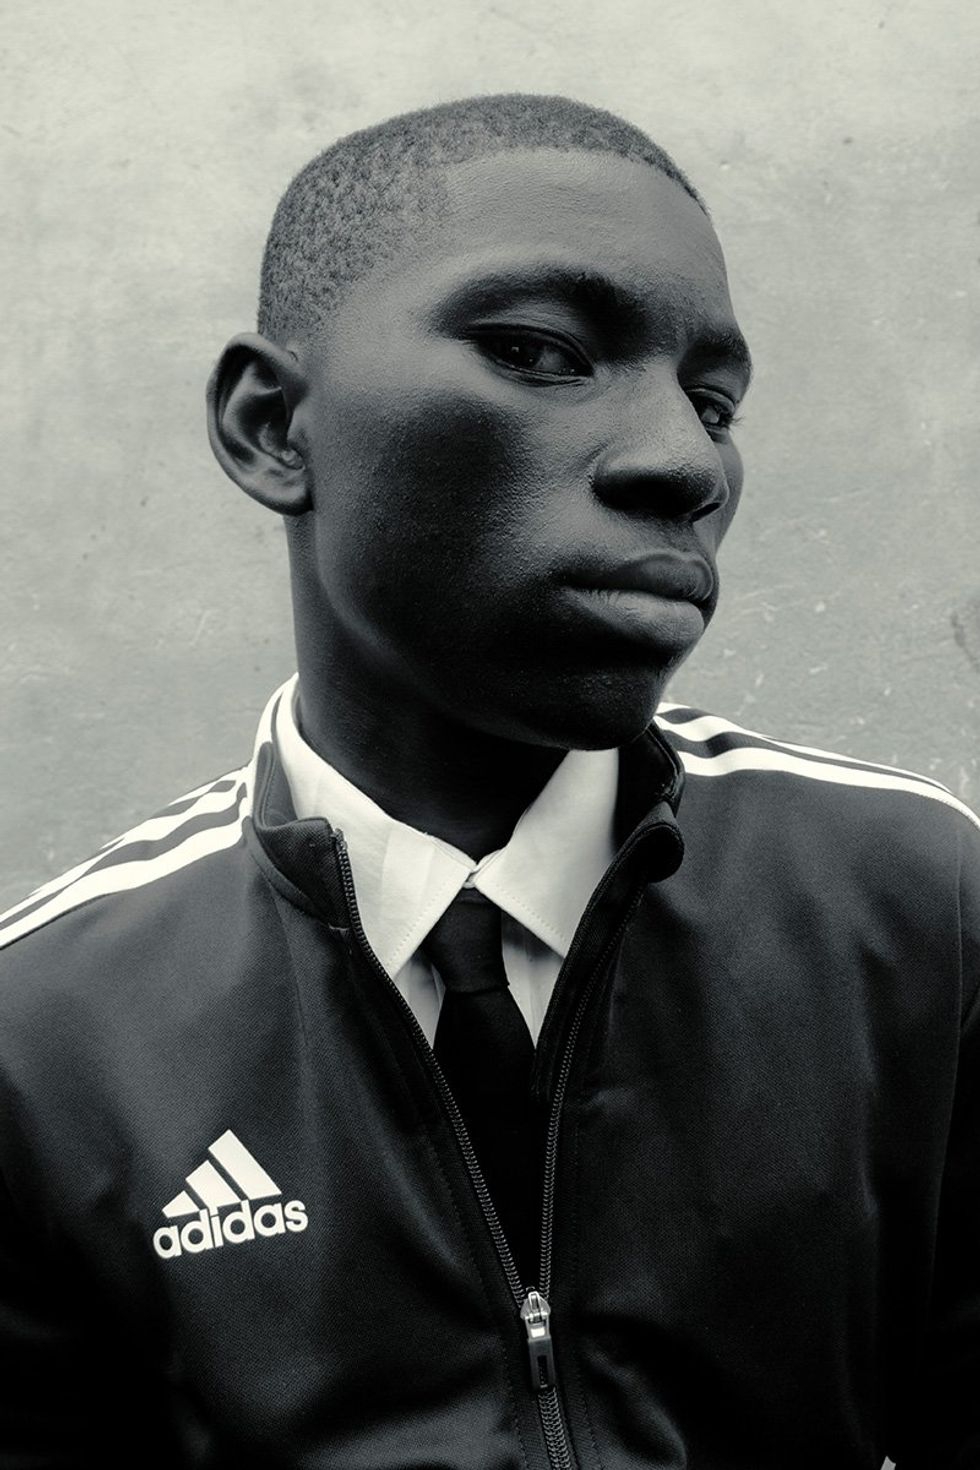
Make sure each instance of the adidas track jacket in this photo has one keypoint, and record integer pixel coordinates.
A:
(241, 1224)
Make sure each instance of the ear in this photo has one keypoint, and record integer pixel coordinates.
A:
(252, 394)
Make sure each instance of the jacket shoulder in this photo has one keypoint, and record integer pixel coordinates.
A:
(719, 754)
(131, 872)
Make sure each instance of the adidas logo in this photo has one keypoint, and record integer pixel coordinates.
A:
(209, 1192)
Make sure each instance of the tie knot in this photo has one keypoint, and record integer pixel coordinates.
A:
(465, 945)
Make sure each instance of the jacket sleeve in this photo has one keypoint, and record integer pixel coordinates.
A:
(70, 1389)
(946, 1435)
(43, 1403)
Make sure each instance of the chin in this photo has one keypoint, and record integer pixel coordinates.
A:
(598, 713)
(602, 730)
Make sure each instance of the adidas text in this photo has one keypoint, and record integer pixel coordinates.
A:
(207, 1231)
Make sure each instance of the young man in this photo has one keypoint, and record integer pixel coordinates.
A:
(417, 1097)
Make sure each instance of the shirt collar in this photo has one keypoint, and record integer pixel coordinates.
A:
(406, 879)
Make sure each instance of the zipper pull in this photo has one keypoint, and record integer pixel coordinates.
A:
(535, 1314)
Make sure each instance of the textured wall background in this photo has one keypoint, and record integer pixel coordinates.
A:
(143, 602)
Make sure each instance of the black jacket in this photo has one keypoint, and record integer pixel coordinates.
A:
(761, 1200)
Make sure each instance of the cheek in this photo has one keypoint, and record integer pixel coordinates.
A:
(732, 466)
(437, 475)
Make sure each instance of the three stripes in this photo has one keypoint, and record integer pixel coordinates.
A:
(710, 746)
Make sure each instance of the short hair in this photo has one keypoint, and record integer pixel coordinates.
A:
(356, 203)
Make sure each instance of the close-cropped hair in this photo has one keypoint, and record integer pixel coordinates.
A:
(358, 202)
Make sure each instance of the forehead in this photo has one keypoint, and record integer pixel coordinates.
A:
(546, 195)
(539, 210)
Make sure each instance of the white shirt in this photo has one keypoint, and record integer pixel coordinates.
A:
(405, 879)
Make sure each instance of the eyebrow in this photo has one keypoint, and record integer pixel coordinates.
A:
(726, 345)
(600, 295)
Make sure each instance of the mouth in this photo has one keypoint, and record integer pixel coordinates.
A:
(663, 598)
(677, 575)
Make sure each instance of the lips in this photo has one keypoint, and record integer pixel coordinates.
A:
(675, 575)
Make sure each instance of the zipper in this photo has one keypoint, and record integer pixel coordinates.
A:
(531, 1304)
(540, 1349)
(449, 1102)
(597, 966)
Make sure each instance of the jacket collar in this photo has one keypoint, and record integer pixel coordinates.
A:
(301, 855)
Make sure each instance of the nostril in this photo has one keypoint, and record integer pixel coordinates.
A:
(717, 503)
(686, 492)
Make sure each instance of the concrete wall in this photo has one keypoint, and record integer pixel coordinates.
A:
(143, 601)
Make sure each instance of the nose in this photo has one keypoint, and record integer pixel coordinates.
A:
(661, 461)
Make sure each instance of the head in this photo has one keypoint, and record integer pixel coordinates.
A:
(491, 394)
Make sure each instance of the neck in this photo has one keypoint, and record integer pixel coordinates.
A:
(432, 773)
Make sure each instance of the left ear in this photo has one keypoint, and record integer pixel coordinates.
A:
(252, 394)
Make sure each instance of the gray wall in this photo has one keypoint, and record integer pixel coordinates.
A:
(143, 601)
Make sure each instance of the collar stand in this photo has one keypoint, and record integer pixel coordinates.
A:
(301, 850)
(651, 783)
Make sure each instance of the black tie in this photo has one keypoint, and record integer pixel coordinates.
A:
(485, 1050)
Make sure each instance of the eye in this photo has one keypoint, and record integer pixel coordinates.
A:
(716, 412)
(533, 354)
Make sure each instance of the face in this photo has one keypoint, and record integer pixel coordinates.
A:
(520, 446)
